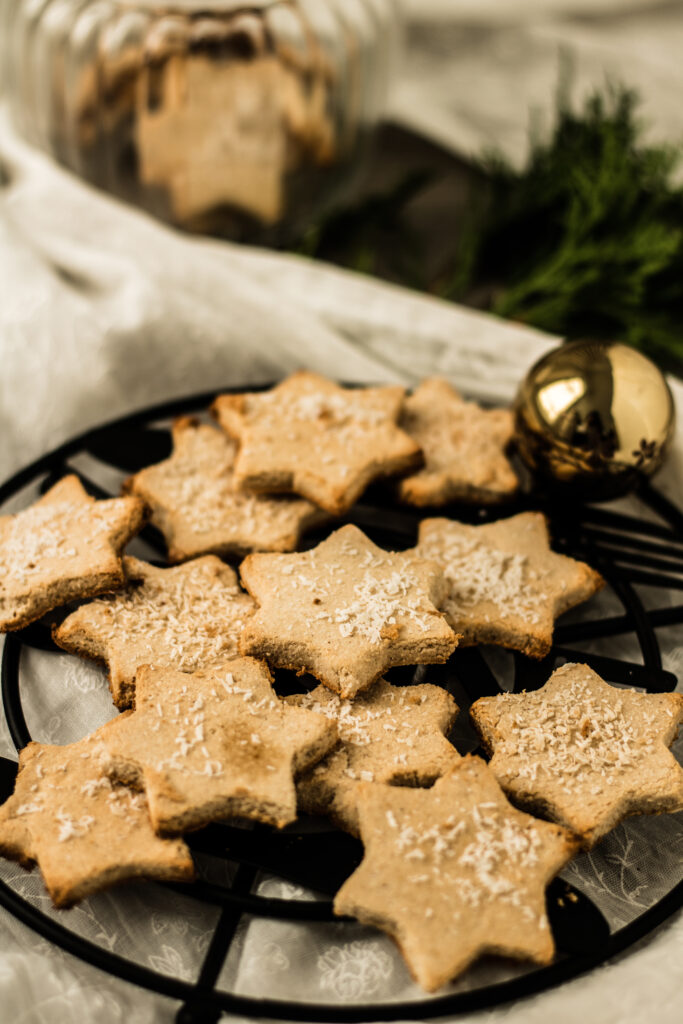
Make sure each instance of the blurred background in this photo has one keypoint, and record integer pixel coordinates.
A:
(521, 158)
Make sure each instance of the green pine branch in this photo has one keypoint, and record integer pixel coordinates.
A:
(588, 239)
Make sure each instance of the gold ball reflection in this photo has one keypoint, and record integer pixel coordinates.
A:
(598, 416)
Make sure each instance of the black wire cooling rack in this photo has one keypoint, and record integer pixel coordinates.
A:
(629, 552)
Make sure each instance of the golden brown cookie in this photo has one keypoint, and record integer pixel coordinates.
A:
(454, 872)
(215, 744)
(312, 437)
(463, 445)
(84, 833)
(186, 618)
(65, 546)
(505, 585)
(346, 611)
(390, 734)
(195, 504)
(583, 753)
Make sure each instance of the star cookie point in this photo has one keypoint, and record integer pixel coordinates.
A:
(346, 611)
(186, 617)
(505, 584)
(196, 505)
(584, 753)
(464, 448)
(468, 873)
(354, 433)
(215, 744)
(65, 546)
(84, 833)
(388, 734)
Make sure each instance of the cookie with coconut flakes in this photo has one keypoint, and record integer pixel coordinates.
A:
(505, 584)
(85, 833)
(346, 611)
(216, 744)
(196, 505)
(187, 617)
(390, 734)
(468, 873)
(583, 753)
(311, 437)
(464, 448)
(65, 546)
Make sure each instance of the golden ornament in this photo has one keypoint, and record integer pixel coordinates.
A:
(596, 417)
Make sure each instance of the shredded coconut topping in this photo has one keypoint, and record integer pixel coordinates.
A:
(482, 854)
(387, 599)
(70, 827)
(359, 720)
(190, 720)
(45, 532)
(189, 620)
(331, 409)
(30, 808)
(197, 485)
(480, 574)
(573, 735)
(459, 438)
(384, 603)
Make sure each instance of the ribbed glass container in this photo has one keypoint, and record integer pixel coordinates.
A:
(241, 119)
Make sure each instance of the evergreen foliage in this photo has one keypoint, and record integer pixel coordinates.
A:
(586, 241)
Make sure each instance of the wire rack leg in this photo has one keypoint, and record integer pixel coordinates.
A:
(203, 1007)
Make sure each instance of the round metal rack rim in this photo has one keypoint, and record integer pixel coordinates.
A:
(477, 999)
(203, 994)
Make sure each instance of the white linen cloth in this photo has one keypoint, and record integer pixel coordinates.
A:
(479, 74)
(103, 311)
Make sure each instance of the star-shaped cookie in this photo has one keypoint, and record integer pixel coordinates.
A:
(85, 833)
(215, 744)
(463, 445)
(312, 437)
(346, 611)
(187, 617)
(390, 734)
(195, 504)
(505, 585)
(454, 872)
(583, 753)
(65, 546)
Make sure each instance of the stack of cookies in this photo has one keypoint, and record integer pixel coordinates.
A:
(190, 649)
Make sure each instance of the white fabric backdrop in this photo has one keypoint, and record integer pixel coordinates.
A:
(102, 311)
(479, 73)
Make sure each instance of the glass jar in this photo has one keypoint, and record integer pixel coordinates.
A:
(241, 119)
